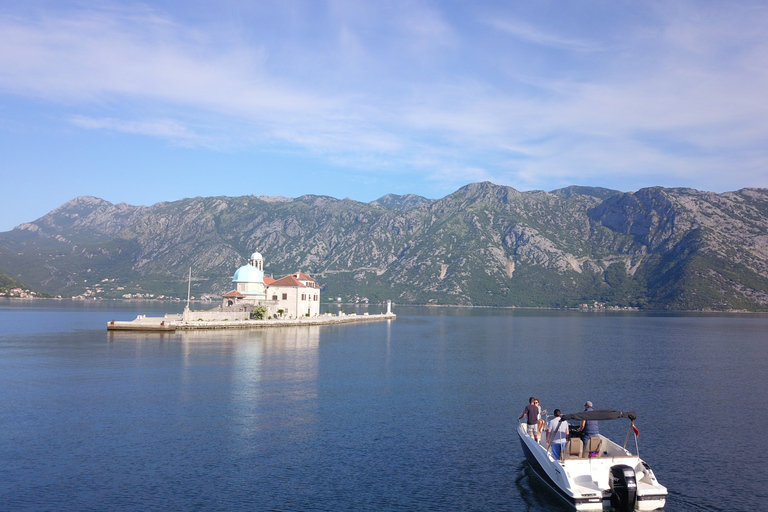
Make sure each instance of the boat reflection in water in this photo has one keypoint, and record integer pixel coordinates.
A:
(599, 474)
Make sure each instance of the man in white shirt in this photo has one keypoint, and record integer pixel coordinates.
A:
(557, 435)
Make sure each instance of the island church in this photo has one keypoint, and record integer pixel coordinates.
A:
(297, 295)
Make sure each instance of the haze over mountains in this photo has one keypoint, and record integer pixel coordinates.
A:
(484, 245)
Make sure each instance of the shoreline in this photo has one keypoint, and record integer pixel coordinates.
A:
(461, 306)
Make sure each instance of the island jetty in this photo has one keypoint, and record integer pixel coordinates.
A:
(191, 320)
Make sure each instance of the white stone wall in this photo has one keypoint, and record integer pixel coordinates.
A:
(209, 316)
(294, 306)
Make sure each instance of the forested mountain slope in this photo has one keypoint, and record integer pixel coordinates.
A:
(482, 245)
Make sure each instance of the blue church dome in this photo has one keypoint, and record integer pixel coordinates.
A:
(248, 274)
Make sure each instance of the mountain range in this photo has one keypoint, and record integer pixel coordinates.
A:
(483, 245)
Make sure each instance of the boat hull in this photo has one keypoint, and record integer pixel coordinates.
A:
(550, 476)
(583, 483)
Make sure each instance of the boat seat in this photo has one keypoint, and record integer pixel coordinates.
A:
(593, 445)
(572, 449)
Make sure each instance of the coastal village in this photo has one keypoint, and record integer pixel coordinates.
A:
(19, 293)
(255, 301)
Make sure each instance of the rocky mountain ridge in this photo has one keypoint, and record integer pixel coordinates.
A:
(484, 244)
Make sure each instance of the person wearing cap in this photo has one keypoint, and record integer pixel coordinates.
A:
(588, 428)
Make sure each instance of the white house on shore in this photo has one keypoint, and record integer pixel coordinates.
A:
(296, 295)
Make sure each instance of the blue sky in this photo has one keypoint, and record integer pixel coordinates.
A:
(148, 102)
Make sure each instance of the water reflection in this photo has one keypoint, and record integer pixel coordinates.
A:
(413, 414)
(271, 380)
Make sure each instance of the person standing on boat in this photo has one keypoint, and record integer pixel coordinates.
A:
(588, 428)
(533, 418)
(557, 435)
(542, 422)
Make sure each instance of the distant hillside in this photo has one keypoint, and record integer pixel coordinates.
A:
(10, 287)
(482, 245)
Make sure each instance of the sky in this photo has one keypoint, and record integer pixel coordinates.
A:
(148, 102)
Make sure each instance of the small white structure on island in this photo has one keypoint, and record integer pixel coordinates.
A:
(292, 296)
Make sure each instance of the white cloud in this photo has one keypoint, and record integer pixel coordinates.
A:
(411, 86)
(100, 56)
(165, 128)
(539, 36)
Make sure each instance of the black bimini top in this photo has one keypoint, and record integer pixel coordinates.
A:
(602, 414)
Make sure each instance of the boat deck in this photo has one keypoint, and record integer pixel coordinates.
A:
(584, 480)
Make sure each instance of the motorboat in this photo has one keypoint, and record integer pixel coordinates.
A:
(601, 474)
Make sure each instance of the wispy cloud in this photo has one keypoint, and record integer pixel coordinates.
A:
(97, 56)
(419, 87)
(164, 128)
(531, 34)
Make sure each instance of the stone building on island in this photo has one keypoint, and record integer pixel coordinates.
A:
(292, 296)
(250, 287)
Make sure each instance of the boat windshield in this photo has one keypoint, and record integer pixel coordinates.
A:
(607, 414)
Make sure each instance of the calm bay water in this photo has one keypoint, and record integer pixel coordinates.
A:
(413, 414)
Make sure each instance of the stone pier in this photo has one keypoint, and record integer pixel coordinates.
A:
(191, 321)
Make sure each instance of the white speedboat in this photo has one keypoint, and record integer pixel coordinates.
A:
(603, 474)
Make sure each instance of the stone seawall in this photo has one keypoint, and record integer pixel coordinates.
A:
(214, 316)
(163, 324)
(251, 324)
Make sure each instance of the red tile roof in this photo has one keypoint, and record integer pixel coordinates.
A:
(268, 280)
(234, 294)
(287, 281)
(302, 276)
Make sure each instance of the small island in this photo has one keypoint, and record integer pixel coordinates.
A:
(256, 301)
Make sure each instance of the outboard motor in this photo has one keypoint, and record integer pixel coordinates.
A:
(623, 488)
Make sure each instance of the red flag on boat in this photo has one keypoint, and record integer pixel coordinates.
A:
(637, 432)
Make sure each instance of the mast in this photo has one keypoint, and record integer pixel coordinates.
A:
(189, 286)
